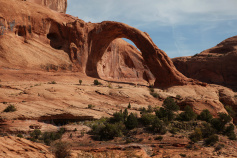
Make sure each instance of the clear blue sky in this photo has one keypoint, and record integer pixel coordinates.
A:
(179, 27)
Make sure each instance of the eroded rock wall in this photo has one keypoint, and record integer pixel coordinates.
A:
(215, 65)
(57, 5)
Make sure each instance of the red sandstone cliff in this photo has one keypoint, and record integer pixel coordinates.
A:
(57, 5)
(215, 65)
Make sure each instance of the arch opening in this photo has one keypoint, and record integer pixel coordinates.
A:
(122, 61)
(55, 41)
(21, 31)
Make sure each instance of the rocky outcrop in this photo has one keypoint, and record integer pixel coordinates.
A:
(85, 43)
(57, 5)
(215, 65)
(12, 147)
(123, 62)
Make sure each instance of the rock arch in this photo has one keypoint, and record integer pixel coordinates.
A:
(158, 62)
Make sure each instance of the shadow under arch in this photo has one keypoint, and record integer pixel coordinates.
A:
(158, 62)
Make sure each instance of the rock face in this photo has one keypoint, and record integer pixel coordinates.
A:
(122, 61)
(12, 147)
(215, 65)
(57, 5)
(85, 43)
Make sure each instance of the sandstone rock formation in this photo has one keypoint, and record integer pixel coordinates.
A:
(84, 42)
(123, 62)
(215, 65)
(12, 147)
(57, 5)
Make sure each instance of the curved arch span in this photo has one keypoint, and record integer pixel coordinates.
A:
(158, 62)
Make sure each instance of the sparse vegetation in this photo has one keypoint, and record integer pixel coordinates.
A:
(131, 122)
(230, 111)
(10, 108)
(49, 137)
(19, 135)
(187, 115)
(147, 119)
(209, 55)
(80, 82)
(159, 138)
(182, 155)
(158, 126)
(52, 82)
(90, 106)
(196, 135)
(96, 82)
(219, 147)
(211, 140)
(220, 122)
(60, 149)
(129, 105)
(178, 97)
(153, 93)
(167, 111)
(205, 115)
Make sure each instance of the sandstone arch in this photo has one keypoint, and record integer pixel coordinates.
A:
(158, 62)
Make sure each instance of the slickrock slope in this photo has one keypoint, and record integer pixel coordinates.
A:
(216, 65)
(36, 26)
(57, 5)
(123, 62)
(12, 147)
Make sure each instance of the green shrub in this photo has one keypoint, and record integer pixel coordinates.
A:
(147, 119)
(90, 106)
(19, 135)
(80, 81)
(230, 111)
(187, 115)
(10, 108)
(170, 104)
(205, 115)
(232, 136)
(152, 90)
(52, 82)
(219, 147)
(211, 140)
(60, 149)
(155, 95)
(174, 130)
(35, 134)
(178, 97)
(164, 114)
(196, 135)
(110, 131)
(49, 137)
(220, 122)
(207, 130)
(148, 110)
(229, 131)
(117, 117)
(158, 126)
(182, 155)
(96, 82)
(159, 138)
(129, 105)
(131, 122)
(167, 112)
